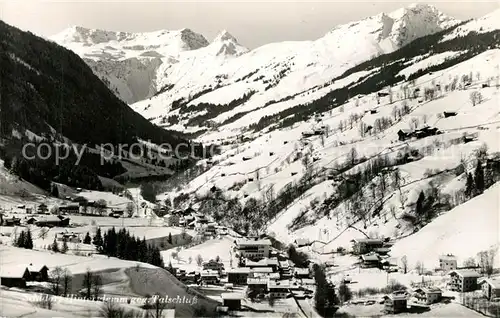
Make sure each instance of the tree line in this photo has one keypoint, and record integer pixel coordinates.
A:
(125, 246)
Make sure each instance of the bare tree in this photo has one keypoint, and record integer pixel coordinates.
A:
(56, 277)
(470, 262)
(101, 206)
(352, 156)
(111, 309)
(414, 123)
(88, 283)
(130, 209)
(486, 261)
(419, 267)
(199, 260)
(66, 281)
(404, 264)
(97, 285)
(476, 98)
(398, 183)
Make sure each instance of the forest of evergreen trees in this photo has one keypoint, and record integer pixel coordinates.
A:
(128, 247)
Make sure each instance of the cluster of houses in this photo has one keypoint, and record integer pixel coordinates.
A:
(190, 219)
(49, 221)
(373, 253)
(42, 221)
(262, 271)
(18, 276)
(405, 134)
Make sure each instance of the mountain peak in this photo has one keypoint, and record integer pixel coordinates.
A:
(193, 40)
(224, 35)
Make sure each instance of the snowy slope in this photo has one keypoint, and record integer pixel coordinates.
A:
(271, 159)
(463, 231)
(485, 24)
(281, 69)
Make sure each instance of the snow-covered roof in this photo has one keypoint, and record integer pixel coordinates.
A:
(302, 241)
(231, 296)
(278, 284)
(257, 281)
(493, 282)
(448, 257)
(429, 290)
(209, 273)
(370, 257)
(262, 270)
(17, 271)
(239, 270)
(302, 271)
(262, 263)
(248, 242)
(465, 273)
(368, 241)
(36, 267)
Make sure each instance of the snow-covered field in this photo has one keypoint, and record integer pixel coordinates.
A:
(12, 256)
(207, 250)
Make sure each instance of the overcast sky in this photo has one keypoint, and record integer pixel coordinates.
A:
(252, 23)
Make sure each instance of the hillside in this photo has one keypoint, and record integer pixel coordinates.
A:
(329, 165)
(49, 95)
(47, 88)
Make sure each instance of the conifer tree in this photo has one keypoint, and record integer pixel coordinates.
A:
(98, 240)
(479, 178)
(28, 240)
(469, 185)
(419, 208)
(54, 247)
(64, 248)
(21, 239)
(87, 239)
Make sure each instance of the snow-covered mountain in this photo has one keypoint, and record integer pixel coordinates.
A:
(127, 62)
(182, 64)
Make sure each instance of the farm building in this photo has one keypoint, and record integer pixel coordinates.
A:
(39, 273)
(396, 303)
(300, 242)
(370, 260)
(11, 221)
(363, 246)
(69, 209)
(15, 276)
(213, 265)
(428, 296)
(231, 300)
(53, 221)
(490, 287)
